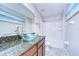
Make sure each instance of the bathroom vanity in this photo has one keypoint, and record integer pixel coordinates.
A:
(35, 47)
(38, 49)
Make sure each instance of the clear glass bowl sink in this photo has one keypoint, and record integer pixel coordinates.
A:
(29, 37)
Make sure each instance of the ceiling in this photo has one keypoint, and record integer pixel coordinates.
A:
(47, 10)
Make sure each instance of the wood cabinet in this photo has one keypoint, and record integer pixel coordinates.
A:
(43, 49)
(40, 51)
(35, 54)
(31, 51)
(37, 50)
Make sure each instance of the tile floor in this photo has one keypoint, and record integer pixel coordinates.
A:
(56, 52)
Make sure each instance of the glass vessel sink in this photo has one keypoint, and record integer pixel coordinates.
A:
(29, 37)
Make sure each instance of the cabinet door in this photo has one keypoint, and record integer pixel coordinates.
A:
(35, 54)
(41, 48)
(40, 43)
(30, 52)
(40, 51)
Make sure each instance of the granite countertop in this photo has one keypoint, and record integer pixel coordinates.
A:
(7, 45)
(20, 48)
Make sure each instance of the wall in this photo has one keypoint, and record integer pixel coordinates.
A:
(53, 32)
(28, 26)
(72, 32)
(37, 26)
(37, 21)
(72, 35)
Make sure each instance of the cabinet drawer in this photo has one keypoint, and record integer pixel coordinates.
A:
(30, 52)
(40, 43)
